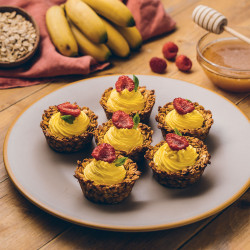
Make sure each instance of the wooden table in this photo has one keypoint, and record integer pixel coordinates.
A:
(24, 226)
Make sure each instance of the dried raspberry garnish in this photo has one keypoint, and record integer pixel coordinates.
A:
(158, 65)
(104, 152)
(183, 63)
(122, 120)
(176, 142)
(183, 106)
(169, 50)
(124, 82)
(69, 109)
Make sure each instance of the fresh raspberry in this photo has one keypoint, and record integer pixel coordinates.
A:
(183, 106)
(124, 82)
(176, 142)
(183, 63)
(122, 120)
(69, 109)
(158, 65)
(104, 152)
(169, 50)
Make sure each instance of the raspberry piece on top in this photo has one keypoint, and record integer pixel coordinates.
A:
(124, 82)
(183, 63)
(169, 50)
(183, 106)
(104, 152)
(122, 120)
(69, 109)
(176, 142)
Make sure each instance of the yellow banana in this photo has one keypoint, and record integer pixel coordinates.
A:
(99, 51)
(113, 10)
(116, 42)
(86, 20)
(62, 6)
(60, 32)
(132, 35)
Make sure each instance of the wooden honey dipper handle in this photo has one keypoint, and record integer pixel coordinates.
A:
(214, 21)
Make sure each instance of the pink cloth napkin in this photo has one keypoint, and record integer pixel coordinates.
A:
(150, 18)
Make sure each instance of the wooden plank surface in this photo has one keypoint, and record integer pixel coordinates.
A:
(24, 226)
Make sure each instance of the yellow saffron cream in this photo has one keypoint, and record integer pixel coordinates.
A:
(171, 161)
(126, 101)
(61, 128)
(102, 172)
(190, 120)
(123, 138)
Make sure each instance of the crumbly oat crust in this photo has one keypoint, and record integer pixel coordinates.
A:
(109, 194)
(137, 153)
(68, 144)
(144, 114)
(200, 133)
(187, 176)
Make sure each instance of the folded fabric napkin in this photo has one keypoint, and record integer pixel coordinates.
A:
(150, 17)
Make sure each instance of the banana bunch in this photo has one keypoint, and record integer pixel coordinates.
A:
(98, 28)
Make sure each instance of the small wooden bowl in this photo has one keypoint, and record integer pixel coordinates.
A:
(28, 17)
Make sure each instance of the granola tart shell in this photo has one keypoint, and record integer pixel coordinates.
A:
(109, 194)
(68, 144)
(200, 133)
(144, 114)
(135, 154)
(187, 176)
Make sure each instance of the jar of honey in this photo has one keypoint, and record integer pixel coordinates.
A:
(226, 61)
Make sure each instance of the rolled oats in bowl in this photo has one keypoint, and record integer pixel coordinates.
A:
(19, 36)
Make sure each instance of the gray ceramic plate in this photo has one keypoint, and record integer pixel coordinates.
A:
(46, 177)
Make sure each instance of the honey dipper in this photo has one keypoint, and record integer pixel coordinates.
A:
(214, 21)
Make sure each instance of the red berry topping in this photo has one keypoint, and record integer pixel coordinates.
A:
(176, 142)
(158, 65)
(104, 152)
(169, 50)
(183, 63)
(124, 82)
(69, 109)
(183, 106)
(122, 120)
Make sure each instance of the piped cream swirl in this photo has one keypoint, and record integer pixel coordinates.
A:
(126, 101)
(171, 161)
(61, 128)
(123, 138)
(190, 120)
(105, 173)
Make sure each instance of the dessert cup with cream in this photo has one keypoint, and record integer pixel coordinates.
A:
(68, 127)
(194, 122)
(108, 177)
(129, 140)
(178, 168)
(128, 97)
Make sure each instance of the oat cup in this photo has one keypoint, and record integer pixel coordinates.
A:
(107, 194)
(148, 95)
(68, 144)
(185, 177)
(136, 153)
(200, 133)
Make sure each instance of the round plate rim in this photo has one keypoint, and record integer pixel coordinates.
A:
(112, 227)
